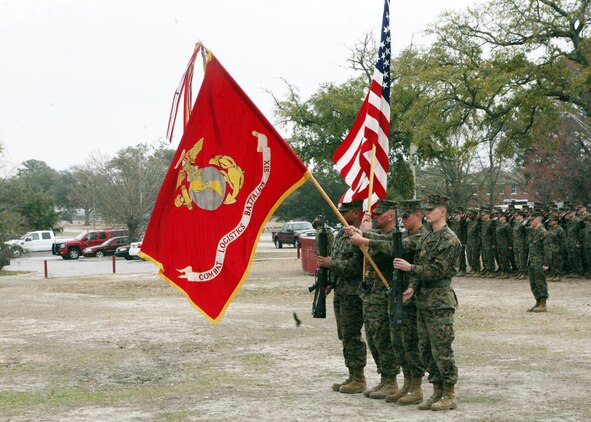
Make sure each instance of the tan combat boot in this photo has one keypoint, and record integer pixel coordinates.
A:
(535, 306)
(542, 307)
(389, 387)
(357, 384)
(415, 393)
(337, 385)
(448, 400)
(435, 397)
(393, 398)
(370, 390)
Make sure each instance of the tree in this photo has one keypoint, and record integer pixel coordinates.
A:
(557, 168)
(319, 124)
(81, 192)
(127, 185)
(472, 111)
(552, 35)
(38, 176)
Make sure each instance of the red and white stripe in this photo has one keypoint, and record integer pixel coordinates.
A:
(353, 157)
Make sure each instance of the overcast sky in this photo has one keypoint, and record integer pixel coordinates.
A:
(80, 77)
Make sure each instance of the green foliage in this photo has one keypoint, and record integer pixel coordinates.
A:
(319, 124)
(36, 209)
(39, 212)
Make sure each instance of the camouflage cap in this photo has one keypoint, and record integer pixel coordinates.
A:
(553, 218)
(434, 201)
(410, 206)
(485, 210)
(347, 206)
(383, 206)
(536, 213)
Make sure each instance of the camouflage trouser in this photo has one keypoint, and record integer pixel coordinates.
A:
(473, 253)
(588, 259)
(348, 311)
(436, 333)
(488, 257)
(574, 257)
(462, 259)
(556, 265)
(504, 260)
(537, 282)
(520, 259)
(405, 341)
(377, 330)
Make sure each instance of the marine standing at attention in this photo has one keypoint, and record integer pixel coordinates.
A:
(436, 303)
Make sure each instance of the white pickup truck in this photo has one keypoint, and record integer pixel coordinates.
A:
(37, 241)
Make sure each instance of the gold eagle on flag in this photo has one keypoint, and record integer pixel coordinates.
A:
(207, 187)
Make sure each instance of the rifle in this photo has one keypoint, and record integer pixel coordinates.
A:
(321, 278)
(399, 277)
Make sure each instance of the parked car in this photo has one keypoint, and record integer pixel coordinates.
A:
(310, 234)
(134, 249)
(108, 247)
(36, 241)
(290, 232)
(123, 252)
(72, 248)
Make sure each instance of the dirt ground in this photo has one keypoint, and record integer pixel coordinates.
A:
(131, 348)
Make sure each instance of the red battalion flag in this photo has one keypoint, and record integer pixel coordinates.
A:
(371, 128)
(230, 172)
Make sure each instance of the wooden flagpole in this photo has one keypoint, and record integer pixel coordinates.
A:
(345, 224)
(370, 190)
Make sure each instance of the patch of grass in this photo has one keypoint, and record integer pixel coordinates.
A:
(4, 273)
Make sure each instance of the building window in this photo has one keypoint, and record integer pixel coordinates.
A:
(513, 189)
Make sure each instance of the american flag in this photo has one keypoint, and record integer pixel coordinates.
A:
(371, 127)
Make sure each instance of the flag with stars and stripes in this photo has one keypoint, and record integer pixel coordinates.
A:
(353, 157)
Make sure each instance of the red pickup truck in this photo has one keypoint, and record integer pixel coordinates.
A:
(291, 232)
(72, 248)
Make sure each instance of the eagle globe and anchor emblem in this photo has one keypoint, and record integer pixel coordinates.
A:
(208, 187)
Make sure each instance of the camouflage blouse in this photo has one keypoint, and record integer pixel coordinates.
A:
(433, 269)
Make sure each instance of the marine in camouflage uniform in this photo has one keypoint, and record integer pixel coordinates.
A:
(458, 224)
(473, 242)
(540, 254)
(520, 245)
(374, 295)
(436, 303)
(574, 240)
(503, 245)
(404, 338)
(346, 265)
(487, 235)
(557, 237)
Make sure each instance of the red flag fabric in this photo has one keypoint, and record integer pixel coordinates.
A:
(230, 172)
(371, 127)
